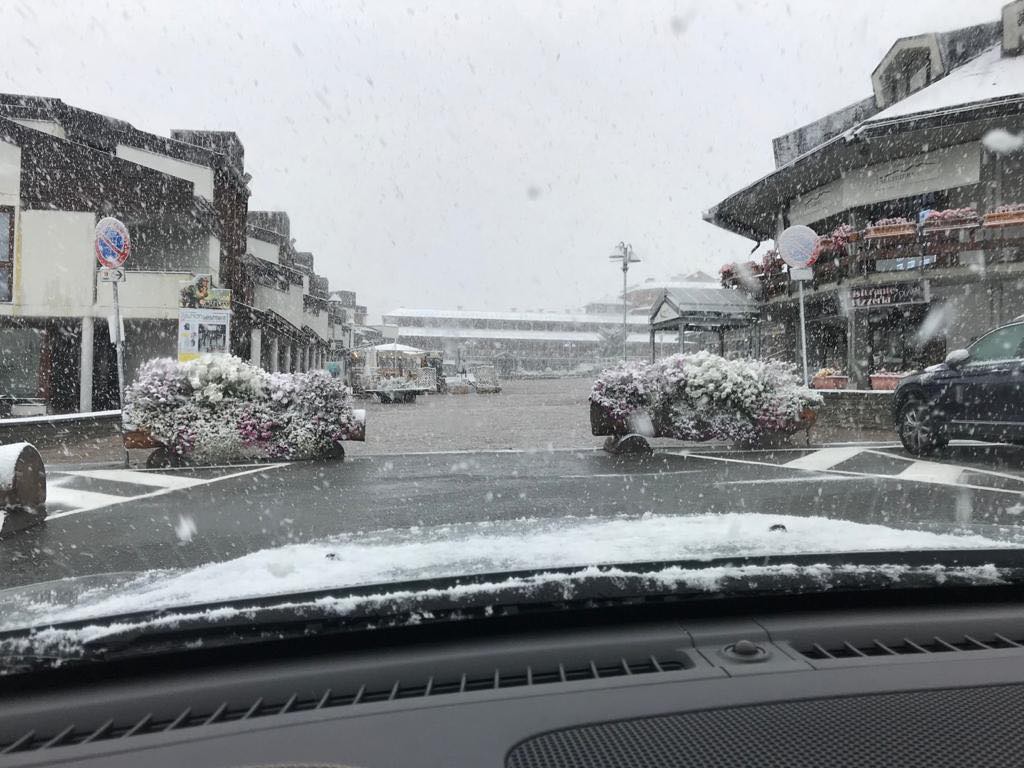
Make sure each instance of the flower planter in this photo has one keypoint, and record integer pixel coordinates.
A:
(1003, 219)
(830, 382)
(221, 409)
(943, 225)
(885, 381)
(882, 231)
(701, 397)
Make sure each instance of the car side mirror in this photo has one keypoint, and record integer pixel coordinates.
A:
(957, 357)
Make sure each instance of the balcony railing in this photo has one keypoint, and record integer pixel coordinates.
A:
(938, 245)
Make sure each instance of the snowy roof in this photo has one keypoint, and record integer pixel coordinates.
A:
(987, 79)
(989, 76)
(539, 317)
(704, 307)
(396, 347)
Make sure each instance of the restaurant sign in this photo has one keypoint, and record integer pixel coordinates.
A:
(890, 294)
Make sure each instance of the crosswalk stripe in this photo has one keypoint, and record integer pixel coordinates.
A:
(825, 458)
(155, 479)
(932, 472)
(72, 497)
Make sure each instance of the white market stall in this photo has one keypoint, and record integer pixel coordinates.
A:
(393, 372)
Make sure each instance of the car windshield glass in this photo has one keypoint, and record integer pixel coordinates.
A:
(328, 300)
(1004, 344)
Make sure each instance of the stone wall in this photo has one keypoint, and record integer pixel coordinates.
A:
(854, 412)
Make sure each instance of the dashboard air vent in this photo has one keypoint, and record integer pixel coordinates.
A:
(122, 726)
(907, 647)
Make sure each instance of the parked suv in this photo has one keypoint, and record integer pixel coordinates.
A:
(976, 393)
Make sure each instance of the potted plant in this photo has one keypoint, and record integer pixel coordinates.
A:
(1008, 215)
(772, 263)
(885, 380)
(829, 378)
(844, 234)
(897, 226)
(727, 273)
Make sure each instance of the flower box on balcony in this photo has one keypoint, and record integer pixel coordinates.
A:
(953, 218)
(1003, 219)
(830, 382)
(881, 231)
(885, 380)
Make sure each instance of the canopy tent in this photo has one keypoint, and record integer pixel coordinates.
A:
(400, 349)
(394, 359)
(701, 309)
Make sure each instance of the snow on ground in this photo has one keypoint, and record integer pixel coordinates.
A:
(418, 553)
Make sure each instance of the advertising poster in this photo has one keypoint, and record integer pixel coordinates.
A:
(204, 319)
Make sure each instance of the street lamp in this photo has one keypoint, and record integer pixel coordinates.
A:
(626, 256)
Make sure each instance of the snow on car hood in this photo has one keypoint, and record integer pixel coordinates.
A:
(396, 555)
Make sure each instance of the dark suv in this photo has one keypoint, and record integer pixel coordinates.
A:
(976, 393)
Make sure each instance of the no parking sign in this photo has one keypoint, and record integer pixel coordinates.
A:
(113, 245)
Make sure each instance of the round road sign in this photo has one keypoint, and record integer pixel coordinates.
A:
(113, 245)
(797, 246)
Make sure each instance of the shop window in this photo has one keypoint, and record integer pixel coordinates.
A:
(6, 253)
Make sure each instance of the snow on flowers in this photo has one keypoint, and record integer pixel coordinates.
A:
(706, 397)
(220, 408)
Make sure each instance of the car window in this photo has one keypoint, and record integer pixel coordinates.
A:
(1002, 344)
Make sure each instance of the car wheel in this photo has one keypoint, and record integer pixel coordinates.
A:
(917, 429)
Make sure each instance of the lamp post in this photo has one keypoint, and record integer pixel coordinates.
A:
(626, 256)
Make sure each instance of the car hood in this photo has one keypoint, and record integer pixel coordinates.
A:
(405, 555)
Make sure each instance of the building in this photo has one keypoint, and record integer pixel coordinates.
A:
(184, 199)
(529, 341)
(60, 170)
(291, 323)
(918, 203)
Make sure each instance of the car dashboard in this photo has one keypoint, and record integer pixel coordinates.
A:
(932, 686)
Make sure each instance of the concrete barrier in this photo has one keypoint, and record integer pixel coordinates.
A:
(56, 431)
(22, 488)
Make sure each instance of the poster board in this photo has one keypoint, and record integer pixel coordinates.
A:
(204, 319)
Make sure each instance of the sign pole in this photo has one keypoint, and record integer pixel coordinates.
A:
(803, 331)
(798, 247)
(119, 346)
(113, 246)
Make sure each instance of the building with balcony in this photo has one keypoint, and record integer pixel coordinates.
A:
(184, 200)
(61, 170)
(292, 326)
(918, 194)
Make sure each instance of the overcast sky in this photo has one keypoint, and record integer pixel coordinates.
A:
(478, 154)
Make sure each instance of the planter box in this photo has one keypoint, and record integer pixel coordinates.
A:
(603, 423)
(1005, 219)
(830, 382)
(941, 225)
(891, 230)
(884, 380)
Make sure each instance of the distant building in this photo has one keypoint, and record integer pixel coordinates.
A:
(533, 341)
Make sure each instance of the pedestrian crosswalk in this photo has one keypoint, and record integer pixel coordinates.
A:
(78, 491)
(70, 492)
(968, 466)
